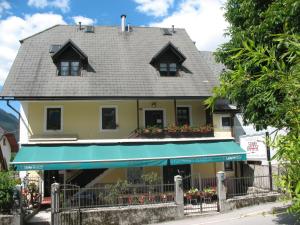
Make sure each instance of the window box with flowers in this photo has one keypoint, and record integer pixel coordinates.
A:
(174, 131)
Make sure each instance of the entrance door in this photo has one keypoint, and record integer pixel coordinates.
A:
(182, 170)
(50, 176)
(154, 118)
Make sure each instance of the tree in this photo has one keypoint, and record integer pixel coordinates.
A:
(263, 74)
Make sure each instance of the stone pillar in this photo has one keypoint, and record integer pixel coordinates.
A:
(221, 190)
(54, 203)
(179, 195)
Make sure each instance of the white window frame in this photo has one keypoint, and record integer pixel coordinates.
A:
(223, 116)
(190, 113)
(117, 118)
(155, 109)
(61, 118)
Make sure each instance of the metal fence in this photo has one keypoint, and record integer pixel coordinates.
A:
(254, 185)
(72, 196)
(200, 194)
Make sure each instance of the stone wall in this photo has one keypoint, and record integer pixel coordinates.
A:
(130, 215)
(245, 201)
(10, 220)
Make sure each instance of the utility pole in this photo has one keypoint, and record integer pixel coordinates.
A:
(269, 159)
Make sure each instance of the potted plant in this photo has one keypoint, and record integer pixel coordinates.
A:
(209, 192)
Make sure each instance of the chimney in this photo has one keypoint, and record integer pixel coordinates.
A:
(128, 27)
(123, 23)
(79, 25)
(173, 29)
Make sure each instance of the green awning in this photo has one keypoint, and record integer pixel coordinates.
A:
(65, 157)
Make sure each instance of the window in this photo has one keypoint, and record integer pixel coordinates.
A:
(168, 69)
(183, 116)
(109, 120)
(134, 175)
(226, 121)
(54, 118)
(69, 68)
(228, 166)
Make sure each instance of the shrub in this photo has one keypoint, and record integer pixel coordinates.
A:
(7, 185)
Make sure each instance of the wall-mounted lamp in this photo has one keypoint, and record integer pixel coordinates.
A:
(153, 104)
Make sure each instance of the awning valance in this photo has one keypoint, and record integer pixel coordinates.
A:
(66, 157)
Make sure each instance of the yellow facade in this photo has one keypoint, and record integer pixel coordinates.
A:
(206, 170)
(82, 118)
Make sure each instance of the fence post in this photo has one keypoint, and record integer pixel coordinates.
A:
(54, 203)
(221, 190)
(179, 195)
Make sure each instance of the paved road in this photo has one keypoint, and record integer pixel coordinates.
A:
(256, 215)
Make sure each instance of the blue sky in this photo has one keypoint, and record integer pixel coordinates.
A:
(203, 20)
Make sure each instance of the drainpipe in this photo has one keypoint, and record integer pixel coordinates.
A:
(11, 107)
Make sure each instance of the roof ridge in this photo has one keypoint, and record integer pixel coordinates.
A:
(49, 28)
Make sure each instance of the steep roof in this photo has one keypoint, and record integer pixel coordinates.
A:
(119, 65)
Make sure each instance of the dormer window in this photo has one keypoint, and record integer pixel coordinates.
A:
(69, 59)
(168, 60)
(69, 68)
(168, 69)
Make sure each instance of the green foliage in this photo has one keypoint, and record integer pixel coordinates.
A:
(115, 190)
(263, 76)
(7, 184)
(151, 178)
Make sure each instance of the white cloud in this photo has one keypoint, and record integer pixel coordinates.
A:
(154, 7)
(16, 28)
(84, 20)
(64, 5)
(4, 5)
(202, 19)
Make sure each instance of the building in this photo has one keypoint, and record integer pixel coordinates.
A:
(99, 104)
(8, 145)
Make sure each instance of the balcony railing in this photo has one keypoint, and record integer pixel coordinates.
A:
(173, 132)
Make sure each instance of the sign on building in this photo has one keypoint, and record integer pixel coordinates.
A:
(255, 147)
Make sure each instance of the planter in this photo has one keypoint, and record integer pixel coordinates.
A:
(166, 134)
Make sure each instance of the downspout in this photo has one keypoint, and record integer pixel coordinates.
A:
(11, 107)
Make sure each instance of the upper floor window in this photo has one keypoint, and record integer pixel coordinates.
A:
(108, 118)
(69, 68)
(226, 121)
(168, 69)
(53, 118)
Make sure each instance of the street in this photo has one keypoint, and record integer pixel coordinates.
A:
(256, 215)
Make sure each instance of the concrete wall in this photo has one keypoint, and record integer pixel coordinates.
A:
(10, 220)
(133, 215)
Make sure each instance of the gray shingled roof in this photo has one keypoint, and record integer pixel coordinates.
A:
(120, 63)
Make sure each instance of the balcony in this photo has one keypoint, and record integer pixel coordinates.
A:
(174, 132)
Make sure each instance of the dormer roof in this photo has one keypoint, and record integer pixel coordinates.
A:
(69, 45)
(168, 47)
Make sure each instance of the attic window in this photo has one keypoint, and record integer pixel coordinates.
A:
(69, 68)
(168, 69)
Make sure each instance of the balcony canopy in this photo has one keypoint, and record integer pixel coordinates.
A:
(66, 157)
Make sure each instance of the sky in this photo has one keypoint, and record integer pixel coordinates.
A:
(202, 19)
